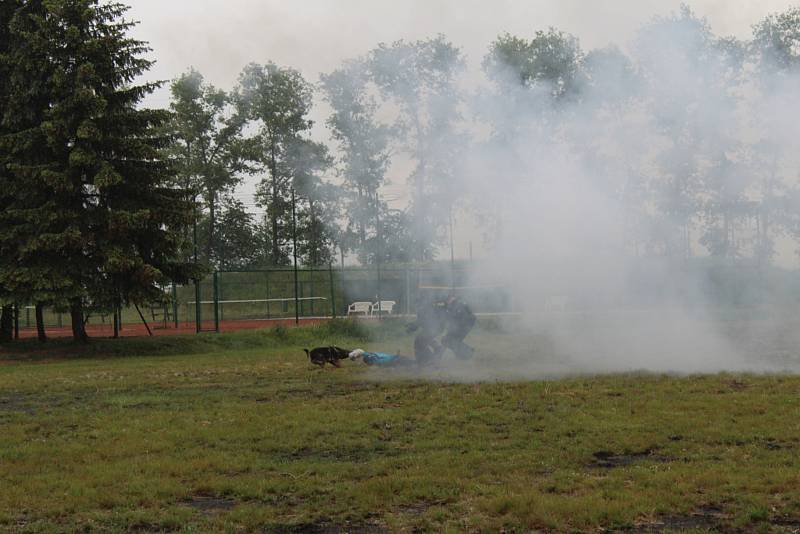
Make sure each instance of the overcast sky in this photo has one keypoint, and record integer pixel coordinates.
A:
(219, 37)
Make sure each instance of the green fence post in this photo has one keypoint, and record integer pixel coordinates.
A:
(333, 292)
(27, 317)
(268, 303)
(197, 318)
(311, 285)
(116, 322)
(380, 311)
(408, 292)
(302, 305)
(220, 299)
(175, 304)
(294, 254)
(215, 280)
(16, 321)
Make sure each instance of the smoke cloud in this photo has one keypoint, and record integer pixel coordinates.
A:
(633, 212)
(626, 210)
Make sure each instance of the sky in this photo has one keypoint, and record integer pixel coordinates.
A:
(219, 37)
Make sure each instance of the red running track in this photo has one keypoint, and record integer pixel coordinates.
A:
(139, 330)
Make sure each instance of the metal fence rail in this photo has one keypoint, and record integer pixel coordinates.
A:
(271, 294)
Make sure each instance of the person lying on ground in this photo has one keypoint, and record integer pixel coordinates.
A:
(379, 358)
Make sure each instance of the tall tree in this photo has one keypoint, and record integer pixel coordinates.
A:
(277, 100)
(533, 83)
(316, 209)
(421, 79)
(28, 275)
(239, 243)
(113, 218)
(363, 144)
(689, 80)
(551, 60)
(209, 149)
(7, 12)
(775, 51)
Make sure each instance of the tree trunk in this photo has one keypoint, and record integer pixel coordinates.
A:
(6, 323)
(40, 330)
(116, 324)
(78, 325)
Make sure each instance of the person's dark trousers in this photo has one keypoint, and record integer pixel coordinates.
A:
(454, 340)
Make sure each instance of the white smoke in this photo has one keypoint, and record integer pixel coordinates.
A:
(572, 188)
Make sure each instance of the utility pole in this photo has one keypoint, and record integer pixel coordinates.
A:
(378, 252)
(294, 253)
(197, 316)
(452, 254)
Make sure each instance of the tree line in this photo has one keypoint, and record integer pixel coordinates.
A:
(103, 201)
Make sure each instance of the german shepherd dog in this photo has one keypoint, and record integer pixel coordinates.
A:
(322, 355)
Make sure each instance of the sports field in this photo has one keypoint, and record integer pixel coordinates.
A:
(236, 432)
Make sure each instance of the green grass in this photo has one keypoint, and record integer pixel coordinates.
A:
(237, 433)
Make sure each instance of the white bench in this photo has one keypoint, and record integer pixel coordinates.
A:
(360, 308)
(384, 307)
(556, 303)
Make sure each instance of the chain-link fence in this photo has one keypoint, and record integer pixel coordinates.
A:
(230, 300)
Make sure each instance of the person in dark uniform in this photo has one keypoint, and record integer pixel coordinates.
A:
(460, 321)
(431, 322)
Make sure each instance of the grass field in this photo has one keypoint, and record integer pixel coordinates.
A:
(237, 433)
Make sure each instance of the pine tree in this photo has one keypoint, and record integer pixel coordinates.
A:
(7, 10)
(89, 171)
(22, 101)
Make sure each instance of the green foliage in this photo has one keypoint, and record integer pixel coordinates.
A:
(553, 58)
(420, 78)
(239, 240)
(777, 40)
(94, 218)
(277, 101)
(364, 147)
(209, 150)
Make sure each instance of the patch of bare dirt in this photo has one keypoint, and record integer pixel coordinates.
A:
(17, 405)
(145, 527)
(210, 503)
(325, 528)
(710, 517)
(608, 459)
(341, 454)
(419, 507)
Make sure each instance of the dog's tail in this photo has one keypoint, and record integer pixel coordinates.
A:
(308, 354)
